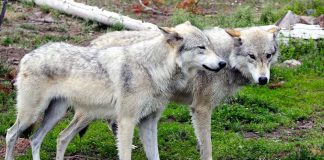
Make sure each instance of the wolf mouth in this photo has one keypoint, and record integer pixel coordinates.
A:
(211, 69)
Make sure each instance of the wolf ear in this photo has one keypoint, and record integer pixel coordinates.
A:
(172, 37)
(274, 30)
(235, 34)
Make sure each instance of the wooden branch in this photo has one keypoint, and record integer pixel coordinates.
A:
(43, 20)
(3, 11)
(96, 14)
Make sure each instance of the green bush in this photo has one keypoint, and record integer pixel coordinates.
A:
(302, 7)
(243, 17)
(268, 16)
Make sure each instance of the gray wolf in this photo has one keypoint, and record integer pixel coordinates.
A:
(124, 84)
(249, 52)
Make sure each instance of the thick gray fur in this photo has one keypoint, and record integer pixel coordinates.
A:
(208, 89)
(124, 84)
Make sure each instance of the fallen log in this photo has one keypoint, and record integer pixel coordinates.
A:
(96, 14)
(289, 28)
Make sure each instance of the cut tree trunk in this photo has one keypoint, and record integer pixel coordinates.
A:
(96, 14)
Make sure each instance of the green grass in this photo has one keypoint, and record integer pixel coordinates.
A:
(245, 16)
(255, 109)
(28, 26)
(45, 9)
(241, 18)
(302, 7)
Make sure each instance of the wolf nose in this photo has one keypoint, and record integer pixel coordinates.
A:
(222, 64)
(263, 80)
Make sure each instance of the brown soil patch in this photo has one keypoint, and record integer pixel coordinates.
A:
(20, 148)
(12, 55)
(283, 132)
(250, 135)
(80, 157)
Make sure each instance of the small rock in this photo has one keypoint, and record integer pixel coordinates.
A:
(320, 21)
(134, 147)
(288, 132)
(310, 11)
(49, 19)
(13, 61)
(288, 20)
(38, 14)
(292, 63)
(307, 20)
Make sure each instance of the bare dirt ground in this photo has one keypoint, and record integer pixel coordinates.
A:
(20, 148)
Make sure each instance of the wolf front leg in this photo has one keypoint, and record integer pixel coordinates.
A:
(201, 119)
(125, 132)
(148, 135)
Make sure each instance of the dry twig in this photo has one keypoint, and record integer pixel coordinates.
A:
(3, 12)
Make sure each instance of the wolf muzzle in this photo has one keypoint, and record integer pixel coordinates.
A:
(263, 80)
(221, 65)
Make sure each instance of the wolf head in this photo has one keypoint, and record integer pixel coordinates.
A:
(254, 51)
(193, 48)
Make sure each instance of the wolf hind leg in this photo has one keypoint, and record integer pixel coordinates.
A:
(12, 134)
(28, 111)
(53, 114)
(78, 123)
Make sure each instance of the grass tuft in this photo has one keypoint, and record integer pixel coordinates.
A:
(7, 41)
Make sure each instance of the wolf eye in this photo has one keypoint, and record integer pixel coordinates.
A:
(269, 56)
(202, 47)
(252, 56)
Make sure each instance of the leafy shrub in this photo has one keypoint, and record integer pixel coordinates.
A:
(302, 7)
(268, 16)
(243, 17)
